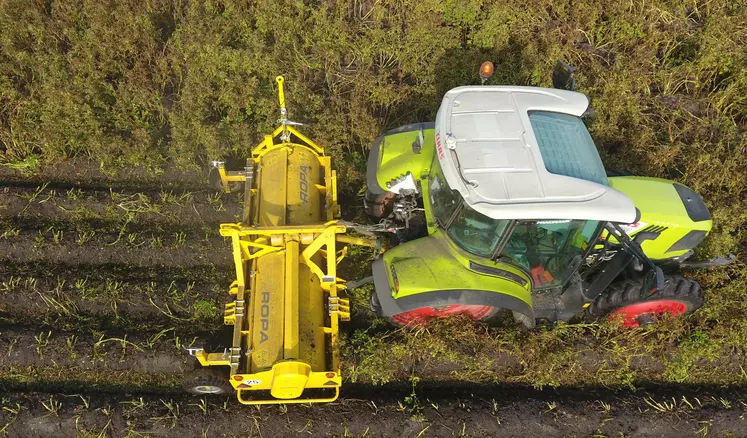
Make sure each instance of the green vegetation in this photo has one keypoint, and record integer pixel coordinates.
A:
(166, 83)
(599, 354)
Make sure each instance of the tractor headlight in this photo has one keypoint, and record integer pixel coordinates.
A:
(403, 185)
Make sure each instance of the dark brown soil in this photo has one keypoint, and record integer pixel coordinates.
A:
(511, 413)
(102, 272)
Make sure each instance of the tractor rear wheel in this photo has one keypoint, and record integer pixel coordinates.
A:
(627, 299)
(207, 381)
(421, 316)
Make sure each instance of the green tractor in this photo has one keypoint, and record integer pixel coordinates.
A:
(504, 203)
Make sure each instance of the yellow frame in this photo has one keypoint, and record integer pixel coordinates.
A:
(250, 243)
(246, 247)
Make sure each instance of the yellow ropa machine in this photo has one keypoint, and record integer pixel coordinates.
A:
(286, 306)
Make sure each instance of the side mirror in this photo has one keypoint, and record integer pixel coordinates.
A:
(563, 76)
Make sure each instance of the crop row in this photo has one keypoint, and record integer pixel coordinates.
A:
(106, 204)
(102, 272)
(503, 412)
(33, 234)
(71, 353)
(84, 304)
(132, 248)
(86, 174)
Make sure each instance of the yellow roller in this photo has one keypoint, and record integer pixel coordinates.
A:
(285, 308)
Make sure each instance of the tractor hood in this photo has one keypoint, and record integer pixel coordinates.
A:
(489, 152)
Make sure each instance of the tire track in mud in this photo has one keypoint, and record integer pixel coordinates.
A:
(516, 412)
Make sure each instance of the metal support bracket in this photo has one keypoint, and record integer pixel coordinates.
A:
(339, 306)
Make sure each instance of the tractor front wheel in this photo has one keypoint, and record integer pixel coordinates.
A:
(628, 300)
(207, 381)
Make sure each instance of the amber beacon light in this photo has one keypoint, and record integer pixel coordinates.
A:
(486, 70)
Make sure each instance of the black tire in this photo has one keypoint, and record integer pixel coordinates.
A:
(630, 292)
(376, 304)
(208, 381)
(214, 178)
(217, 184)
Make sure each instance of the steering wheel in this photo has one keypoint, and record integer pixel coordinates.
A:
(532, 237)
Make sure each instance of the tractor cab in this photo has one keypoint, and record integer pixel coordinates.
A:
(504, 203)
(549, 249)
(526, 177)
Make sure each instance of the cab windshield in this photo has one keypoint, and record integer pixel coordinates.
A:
(472, 231)
(476, 232)
(549, 251)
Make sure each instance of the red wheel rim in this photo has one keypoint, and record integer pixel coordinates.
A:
(420, 317)
(630, 314)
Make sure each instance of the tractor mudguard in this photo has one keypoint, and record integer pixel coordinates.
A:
(430, 272)
(398, 152)
(674, 219)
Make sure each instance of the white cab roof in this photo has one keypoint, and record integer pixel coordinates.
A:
(489, 153)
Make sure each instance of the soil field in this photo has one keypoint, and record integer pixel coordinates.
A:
(97, 307)
(445, 412)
